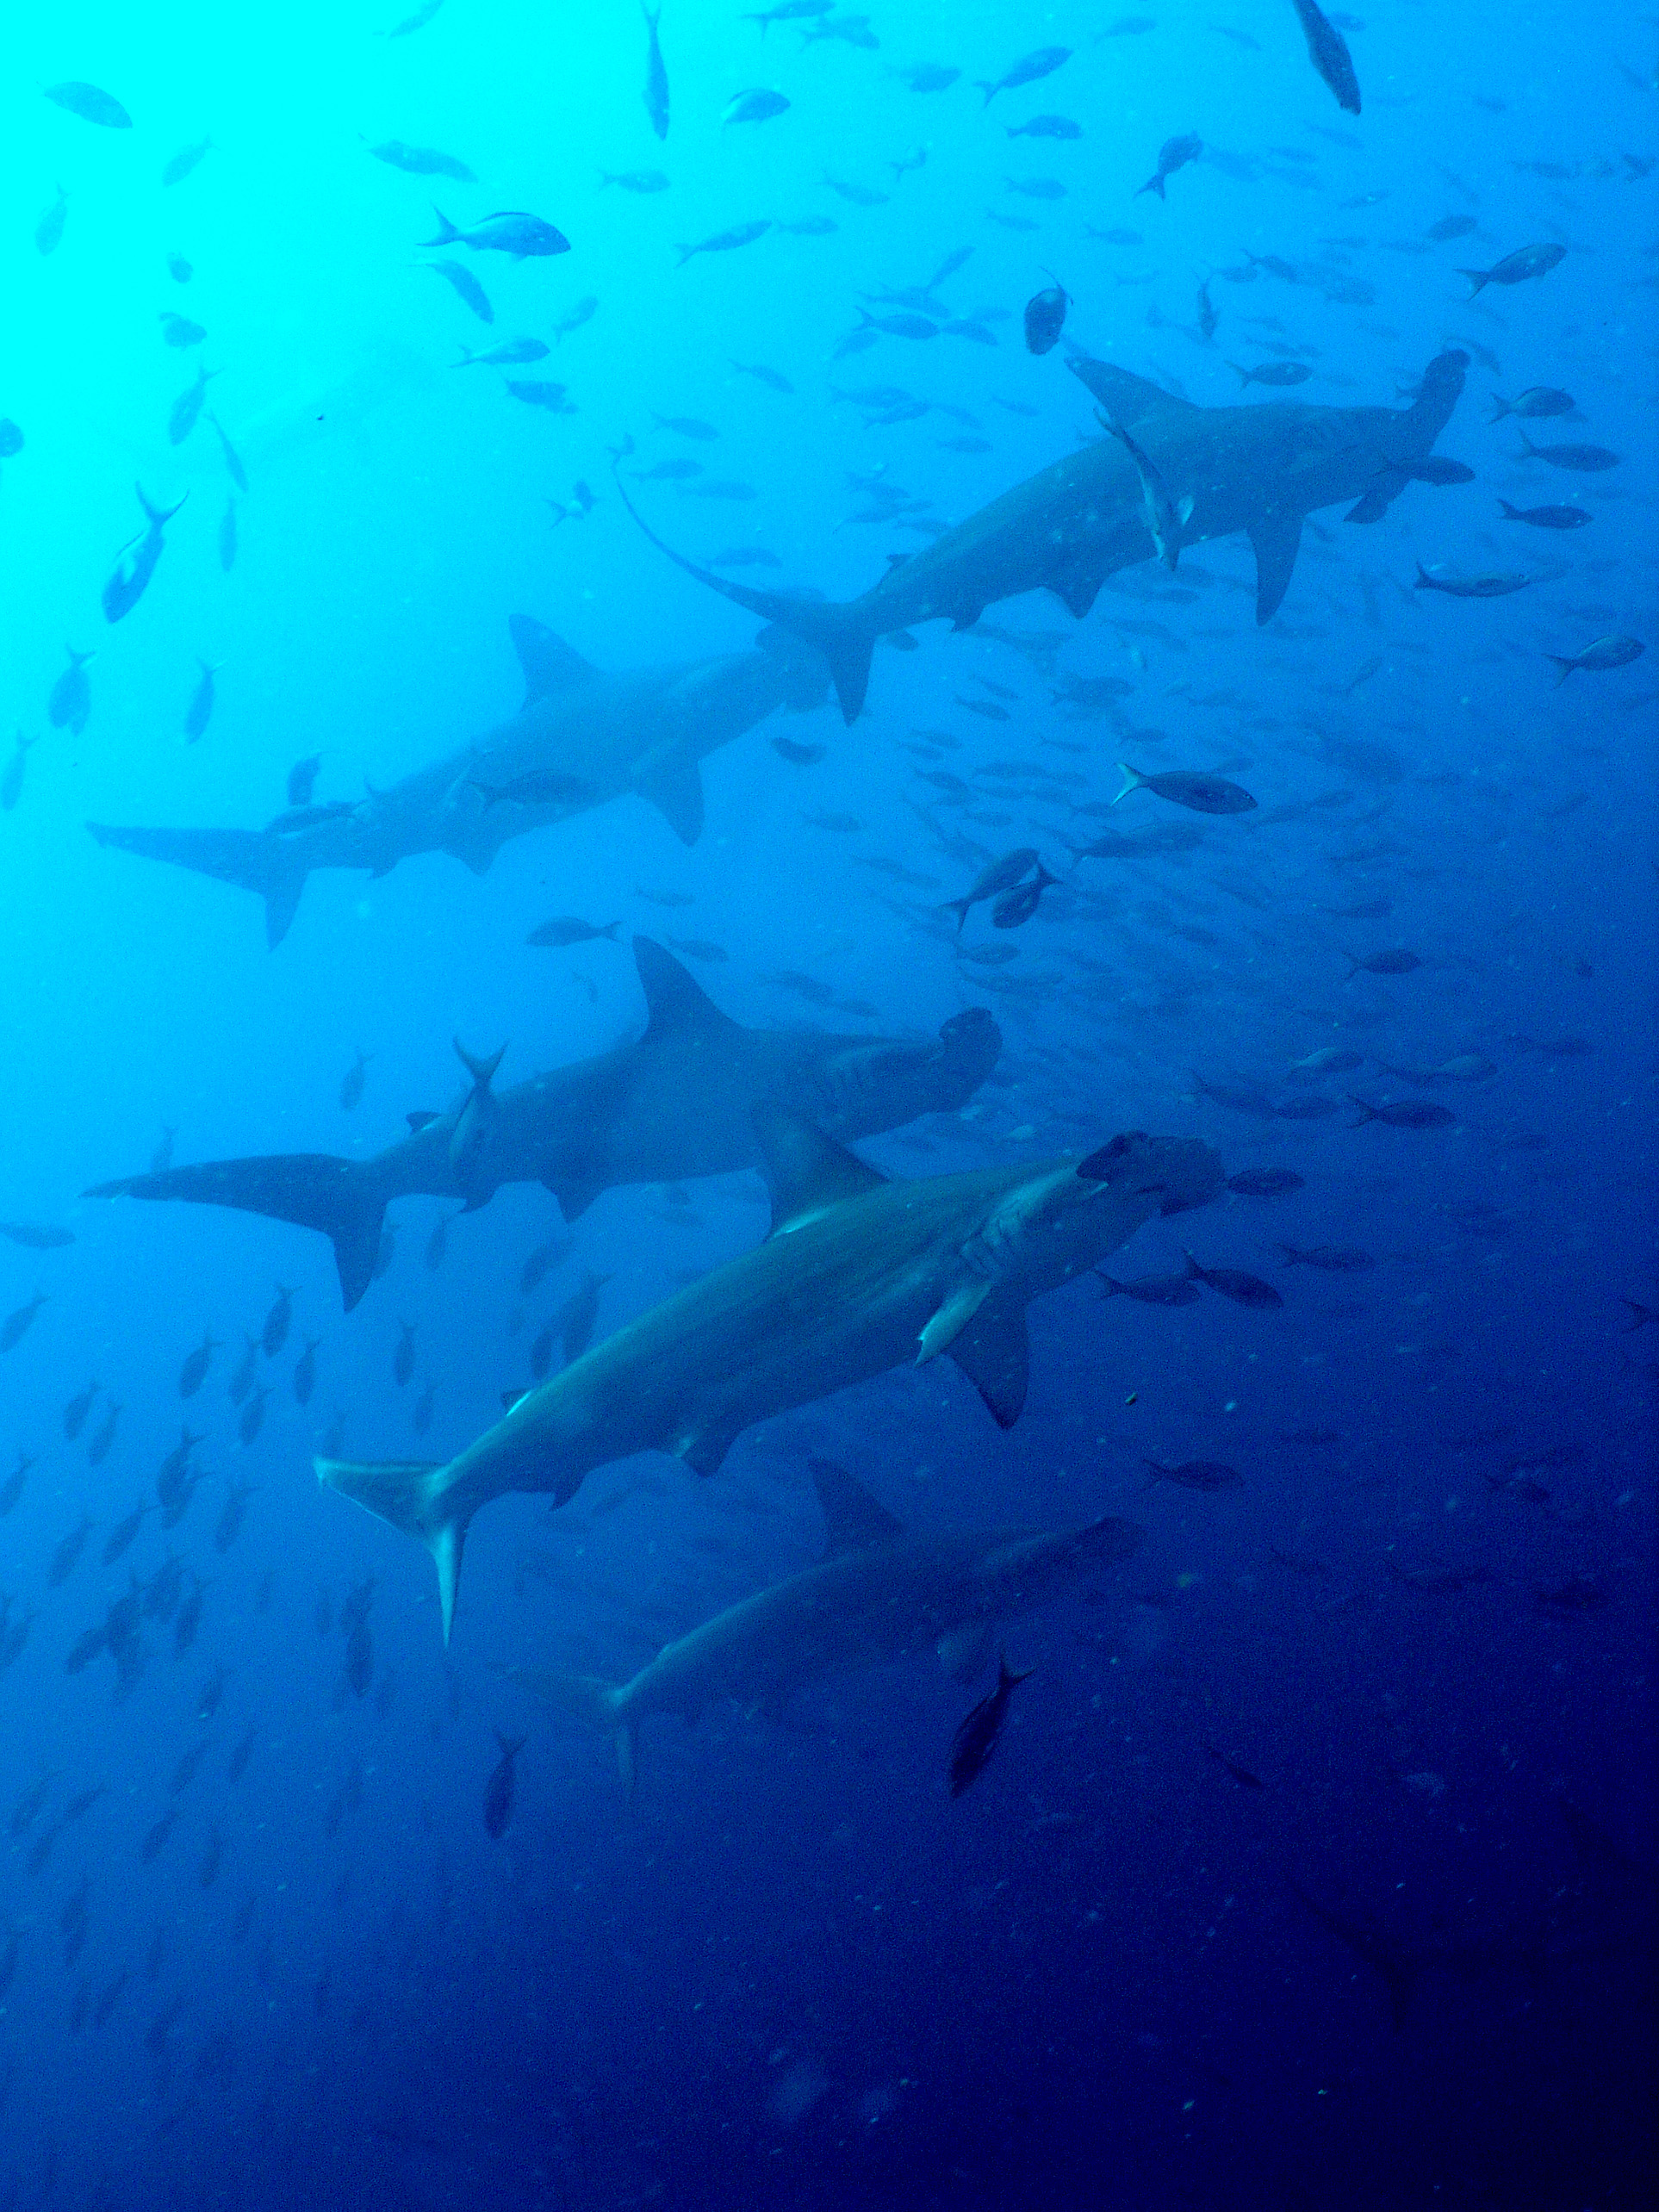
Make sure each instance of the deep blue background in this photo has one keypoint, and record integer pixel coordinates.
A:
(794, 1972)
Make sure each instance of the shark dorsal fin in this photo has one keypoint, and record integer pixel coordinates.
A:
(853, 1519)
(1122, 393)
(805, 1172)
(676, 1004)
(551, 665)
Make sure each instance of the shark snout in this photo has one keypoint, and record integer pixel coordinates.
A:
(1179, 1171)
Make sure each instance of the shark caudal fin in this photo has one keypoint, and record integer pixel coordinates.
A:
(590, 1699)
(314, 1190)
(248, 858)
(841, 630)
(409, 1493)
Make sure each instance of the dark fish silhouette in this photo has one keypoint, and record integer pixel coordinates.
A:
(500, 1788)
(1328, 51)
(657, 76)
(976, 1739)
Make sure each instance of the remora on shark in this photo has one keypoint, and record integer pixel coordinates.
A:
(858, 1275)
(1261, 470)
(673, 1104)
(580, 739)
(879, 1593)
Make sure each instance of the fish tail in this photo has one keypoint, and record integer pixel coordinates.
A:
(155, 516)
(266, 864)
(1243, 375)
(989, 91)
(1006, 1676)
(1499, 406)
(511, 1745)
(1154, 184)
(1133, 779)
(481, 1068)
(1367, 1113)
(447, 233)
(589, 1698)
(1565, 665)
(342, 1198)
(843, 631)
(1194, 1273)
(1424, 582)
(1476, 279)
(1109, 1285)
(960, 908)
(409, 1494)
(1511, 514)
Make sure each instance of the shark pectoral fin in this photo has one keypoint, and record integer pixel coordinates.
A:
(853, 1519)
(963, 1652)
(994, 1352)
(1077, 589)
(806, 1172)
(941, 1332)
(1184, 511)
(401, 1491)
(574, 1197)
(551, 667)
(674, 787)
(1277, 540)
(281, 904)
(703, 1453)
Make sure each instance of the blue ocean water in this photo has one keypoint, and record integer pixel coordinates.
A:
(1315, 1863)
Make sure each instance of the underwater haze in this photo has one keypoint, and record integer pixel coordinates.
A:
(829, 1299)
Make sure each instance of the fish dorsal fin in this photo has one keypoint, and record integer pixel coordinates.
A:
(806, 1172)
(551, 665)
(853, 1519)
(993, 1350)
(676, 1004)
(1122, 394)
(1277, 540)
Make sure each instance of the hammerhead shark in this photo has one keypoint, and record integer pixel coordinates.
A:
(1261, 470)
(880, 1593)
(580, 739)
(671, 1104)
(858, 1276)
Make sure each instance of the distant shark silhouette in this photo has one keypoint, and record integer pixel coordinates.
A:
(1261, 470)
(580, 739)
(879, 1594)
(859, 1275)
(673, 1103)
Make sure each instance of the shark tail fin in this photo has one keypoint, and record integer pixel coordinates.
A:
(409, 1493)
(592, 1700)
(245, 857)
(841, 630)
(344, 1198)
